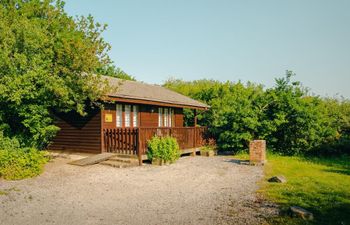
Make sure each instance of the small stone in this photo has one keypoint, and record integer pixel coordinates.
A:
(277, 179)
(301, 213)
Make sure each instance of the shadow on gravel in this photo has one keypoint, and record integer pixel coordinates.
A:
(238, 161)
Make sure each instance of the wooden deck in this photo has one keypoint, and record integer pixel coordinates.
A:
(133, 141)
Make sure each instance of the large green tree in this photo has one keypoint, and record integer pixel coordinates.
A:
(291, 120)
(48, 60)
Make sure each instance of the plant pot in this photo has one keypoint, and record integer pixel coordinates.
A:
(209, 153)
(158, 162)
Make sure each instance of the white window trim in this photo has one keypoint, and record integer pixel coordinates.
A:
(135, 116)
(119, 115)
(170, 117)
(127, 115)
(160, 117)
(166, 118)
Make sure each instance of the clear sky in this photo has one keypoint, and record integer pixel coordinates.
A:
(228, 40)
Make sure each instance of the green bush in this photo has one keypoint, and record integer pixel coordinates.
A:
(18, 163)
(163, 148)
(290, 119)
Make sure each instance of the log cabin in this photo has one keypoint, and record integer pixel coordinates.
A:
(130, 116)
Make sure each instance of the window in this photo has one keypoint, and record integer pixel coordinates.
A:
(160, 117)
(135, 110)
(171, 113)
(166, 119)
(119, 112)
(127, 115)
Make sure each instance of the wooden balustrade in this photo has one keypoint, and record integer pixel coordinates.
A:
(121, 140)
(134, 140)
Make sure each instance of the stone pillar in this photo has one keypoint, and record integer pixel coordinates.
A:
(257, 152)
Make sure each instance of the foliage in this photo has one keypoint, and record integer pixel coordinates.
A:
(111, 71)
(164, 148)
(302, 122)
(319, 185)
(48, 60)
(18, 163)
(291, 120)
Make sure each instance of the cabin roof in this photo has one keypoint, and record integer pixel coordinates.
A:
(155, 94)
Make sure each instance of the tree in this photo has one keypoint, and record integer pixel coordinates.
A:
(48, 60)
(112, 71)
(300, 121)
(291, 120)
(235, 114)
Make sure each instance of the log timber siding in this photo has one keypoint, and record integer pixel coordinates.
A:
(78, 133)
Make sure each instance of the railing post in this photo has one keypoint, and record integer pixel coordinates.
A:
(194, 142)
(138, 148)
(195, 118)
(103, 140)
(195, 137)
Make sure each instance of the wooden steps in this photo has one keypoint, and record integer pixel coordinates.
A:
(121, 161)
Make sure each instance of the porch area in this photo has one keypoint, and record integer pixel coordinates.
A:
(133, 141)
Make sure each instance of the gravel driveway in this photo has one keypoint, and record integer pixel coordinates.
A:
(194, 190)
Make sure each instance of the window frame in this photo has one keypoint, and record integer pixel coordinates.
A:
(119, 115)
(160, 117)
(127, 115)
(135, 115)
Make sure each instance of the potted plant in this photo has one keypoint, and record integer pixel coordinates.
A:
(208, 151)
(209, 148)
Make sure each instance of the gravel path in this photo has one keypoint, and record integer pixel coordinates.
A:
(194, 190)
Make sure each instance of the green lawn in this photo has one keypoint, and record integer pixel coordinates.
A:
(319, 185)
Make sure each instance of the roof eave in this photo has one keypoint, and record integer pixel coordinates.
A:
(152, 102)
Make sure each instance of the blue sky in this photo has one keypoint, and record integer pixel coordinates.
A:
(228, 40)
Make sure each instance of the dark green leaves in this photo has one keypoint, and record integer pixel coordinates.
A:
(291, 121)
(48, 61)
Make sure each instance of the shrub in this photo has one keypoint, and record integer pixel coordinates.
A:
(18, 163)
(163, 148)
(292, 120)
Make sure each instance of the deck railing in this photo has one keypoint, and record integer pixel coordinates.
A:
(134, 140)
(121, 140)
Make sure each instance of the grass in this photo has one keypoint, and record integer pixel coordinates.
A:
(320, 185)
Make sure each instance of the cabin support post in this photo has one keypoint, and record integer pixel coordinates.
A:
(138, 146)
(102, 133)
(194, 134)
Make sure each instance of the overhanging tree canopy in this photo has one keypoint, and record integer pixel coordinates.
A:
(47, 61)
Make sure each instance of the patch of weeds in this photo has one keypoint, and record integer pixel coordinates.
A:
(8, 190)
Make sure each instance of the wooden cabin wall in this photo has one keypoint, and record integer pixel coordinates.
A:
(109, 108)
(179, 117)
(83, 134)
(148, 116)
(78, 133)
